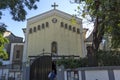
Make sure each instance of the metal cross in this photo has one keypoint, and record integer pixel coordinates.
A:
(54, 5)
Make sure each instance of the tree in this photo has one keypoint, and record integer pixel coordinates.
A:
(3, 41)
(106, 17)
(17, 8)
(18, 12)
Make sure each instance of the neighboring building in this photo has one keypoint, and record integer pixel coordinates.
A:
(12, 39)
(16, 60)
(12, 68)
(108, 44)
(104, 45)
(88, 42)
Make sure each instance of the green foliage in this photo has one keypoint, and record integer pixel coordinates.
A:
(73, 63)
(3, 41)
(104, 58)
(108, 58)
(18, 11)
(17, 8)
(3, 54)
(108, 14)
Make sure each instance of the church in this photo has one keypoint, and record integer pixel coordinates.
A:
(50, 36)
(54, 32)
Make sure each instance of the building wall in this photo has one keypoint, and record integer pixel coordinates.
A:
(117, 74)
(93, 73)
(68, 42)
(15, 75)
(97, 75)
(16, 56)
(4, 73)
(16, 61)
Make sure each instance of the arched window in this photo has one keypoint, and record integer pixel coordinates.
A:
(54, 47)
(34, 29)
(43, 26)
(74, 29)
(47, 24)
(78, 30)
(70, 27)
(66, 26)
(38, 27)
(62, 24)
(30, 30)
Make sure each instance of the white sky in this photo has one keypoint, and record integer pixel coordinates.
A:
(43, 6)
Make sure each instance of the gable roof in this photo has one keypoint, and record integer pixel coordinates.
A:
(51, 13)
(9, 34)
(90, 38)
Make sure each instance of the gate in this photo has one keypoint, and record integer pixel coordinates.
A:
(40, 68)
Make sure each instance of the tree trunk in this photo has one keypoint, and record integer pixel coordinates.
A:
(98, 33)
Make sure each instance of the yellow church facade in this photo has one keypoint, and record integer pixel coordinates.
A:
(55, 33)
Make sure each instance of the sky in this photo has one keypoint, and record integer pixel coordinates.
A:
(43, 5)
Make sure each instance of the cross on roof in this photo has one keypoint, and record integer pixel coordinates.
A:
(55, 5)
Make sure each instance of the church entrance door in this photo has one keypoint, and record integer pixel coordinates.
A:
(40, 68)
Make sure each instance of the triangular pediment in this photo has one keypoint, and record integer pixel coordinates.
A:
(52, 13)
